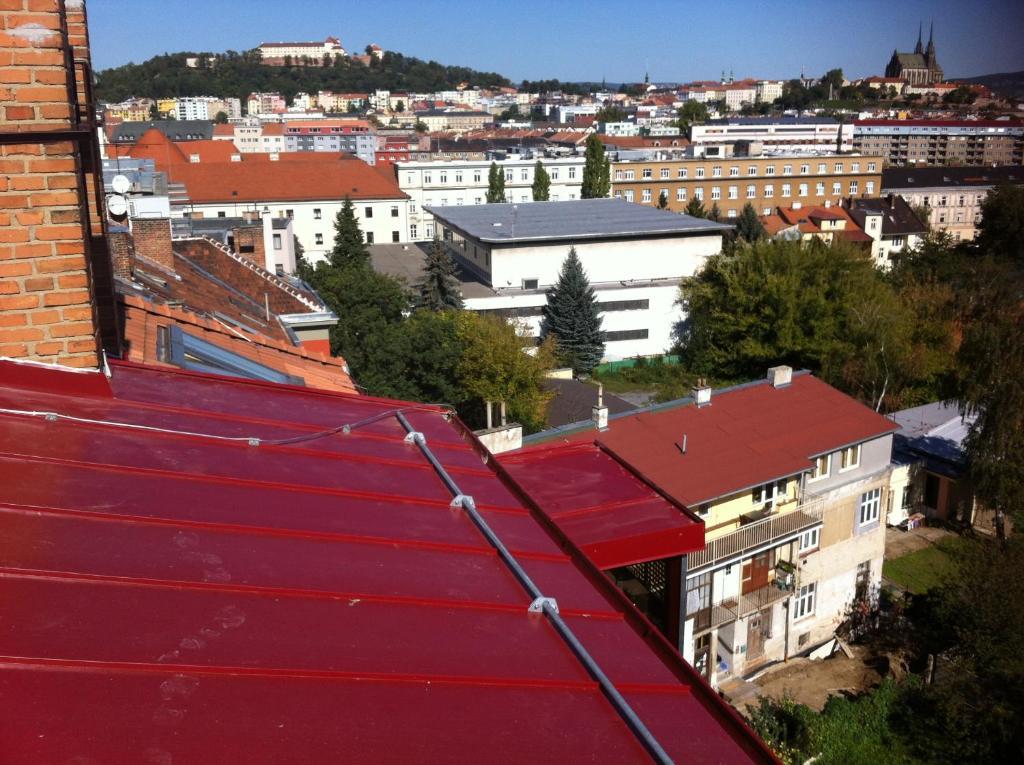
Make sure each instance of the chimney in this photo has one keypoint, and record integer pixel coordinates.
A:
(249, 243)
(599, 413)
(780, 376)
(274, 156)
(152, 238)
(122, 253)
(267, 224)
(236, 157)
(701, 393)
(193, 158)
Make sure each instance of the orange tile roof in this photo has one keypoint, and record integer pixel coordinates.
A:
(143, 317)
(273, 128)
(224, 129)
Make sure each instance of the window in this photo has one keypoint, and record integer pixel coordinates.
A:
(769, 192)
(716, 192)
(664, 173)
(646, 172)
(849, 458)
(458, 177)
(277, 241)
(412, 231)
(476, 176)
(698, 193)
(752, 170)
(734, 192)
(730, 214)
(429, 232)
(188, 352)
(682, 172)
(768, 494)
(396, 236)
(289, 213)
(318, 238)
(700, 172)
(704, 510)
(626, 334)
(805, 169)
(870, 506)
(624, 305)
(819, 189)
(822, 467)
(444, 177)
(804, 605)
(837, 188)
(222, 214)
(629, 195)
(645, 195)
(369, 237)
(839, 167)
(802, 189)
(630, 175)
(770, 170)
(524, 174)
(854, 187)
(869, 187)
(394, 211)
(317, 215)
(855, 167)
(553, 174)
(681, 194)
(863, 581)
(618, 175)
(427, 178)
(734, 172)
(367, 212)
(572, 173)
(716, 171)
(810, 539)
(871, 167)
(821, 168)
(766, 211)
(787, 169)
(751, 191)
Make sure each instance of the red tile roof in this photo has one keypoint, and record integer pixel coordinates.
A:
(173, 596)
(142, 318)
(606, 510)
(748, 436)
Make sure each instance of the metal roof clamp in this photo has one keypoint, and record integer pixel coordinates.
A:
(415, 437)
(461, 500)
(254, 442)
(537, 606)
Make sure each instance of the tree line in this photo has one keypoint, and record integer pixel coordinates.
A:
(236, 74)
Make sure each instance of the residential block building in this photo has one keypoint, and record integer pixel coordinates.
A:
(464, 182)
(790, 478)
(952, 195)
(352, 136)
(634, 257)
(265, 103)
(275, 52)
(763, 181)
(942, 142)
(207, 108)
(774, 133)
(456, 120)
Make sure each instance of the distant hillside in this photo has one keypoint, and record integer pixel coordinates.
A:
(238, 74)
(1007, 84)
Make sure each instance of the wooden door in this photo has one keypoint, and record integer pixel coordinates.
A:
(755, 572)
(758, 628)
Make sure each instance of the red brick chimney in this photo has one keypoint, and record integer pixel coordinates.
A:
(122, 252)
(249, 243)
(152, 239)
(55, 286)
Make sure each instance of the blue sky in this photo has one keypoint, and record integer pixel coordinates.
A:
(572, 40)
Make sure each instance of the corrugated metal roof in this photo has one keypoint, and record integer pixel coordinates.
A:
(575, 219)
(174, 597)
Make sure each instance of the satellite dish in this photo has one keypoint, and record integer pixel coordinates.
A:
(117, 205)
(120, 184)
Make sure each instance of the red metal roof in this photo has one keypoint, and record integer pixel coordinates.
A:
(606, 510)
(749, 435)
(174, 597)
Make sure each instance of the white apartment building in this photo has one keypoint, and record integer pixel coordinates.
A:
(782, 133)
(767, 91)
(736, 96)
(464, 182)
(621, 128)
(297, 50)
(634, 257)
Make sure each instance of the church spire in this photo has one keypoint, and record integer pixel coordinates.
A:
(931, 39)
(919, 48)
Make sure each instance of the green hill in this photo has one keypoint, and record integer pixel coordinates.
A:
(234, 74)
(1006, 84)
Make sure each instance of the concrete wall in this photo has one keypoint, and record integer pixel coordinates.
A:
(874, 456)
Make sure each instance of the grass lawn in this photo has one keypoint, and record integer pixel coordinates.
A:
(923, 569)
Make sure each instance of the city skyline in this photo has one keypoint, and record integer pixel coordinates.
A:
(576, 41)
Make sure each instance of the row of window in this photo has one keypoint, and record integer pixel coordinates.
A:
(849, 458)
(733, 192)
(665, 173)
(528, 197)
(525, 174)
(536, 310)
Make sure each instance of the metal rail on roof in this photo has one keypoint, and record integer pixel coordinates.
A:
(539, 602)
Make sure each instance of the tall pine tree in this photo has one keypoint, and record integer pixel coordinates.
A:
(439, 290)
(349, 248)
(714, 213)
(748, 225)
(695, 207)
(541, 183)
(596, 171)
(495, 184)
(662, 201)
(572, 316)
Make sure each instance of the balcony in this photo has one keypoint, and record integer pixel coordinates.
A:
(775, 528)
(736, 608)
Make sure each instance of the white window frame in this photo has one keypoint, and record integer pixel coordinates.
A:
(810, 540)
(849, 458)
(803, 604)
(815, 474)
(645, 195)
(869, 509)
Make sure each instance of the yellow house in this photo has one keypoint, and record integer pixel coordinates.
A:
(167, 107)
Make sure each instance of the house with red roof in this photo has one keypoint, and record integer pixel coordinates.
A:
(791, 480)
(824, 223)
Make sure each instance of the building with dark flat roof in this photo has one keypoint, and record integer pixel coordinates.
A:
(942, 142)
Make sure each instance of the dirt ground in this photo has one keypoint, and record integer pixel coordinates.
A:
(898, 542)
(806, 681)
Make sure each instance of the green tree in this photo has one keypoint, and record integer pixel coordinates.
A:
(689, 113)
(662, 201)
(400, 107)
(571, 315)
(541, 183)
(695, 207)
(420, 126)
(349, 247)
(153, 113)
(596, 170)
(1001, 231)
(221, 118)
(610, 113)
(494, 367)
(748, 225)
(439, 290)
(303, 268)
(495, 185)
(714, 213)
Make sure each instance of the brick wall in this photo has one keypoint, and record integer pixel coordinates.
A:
(152, 238)
(248, 241)
(47, 306)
